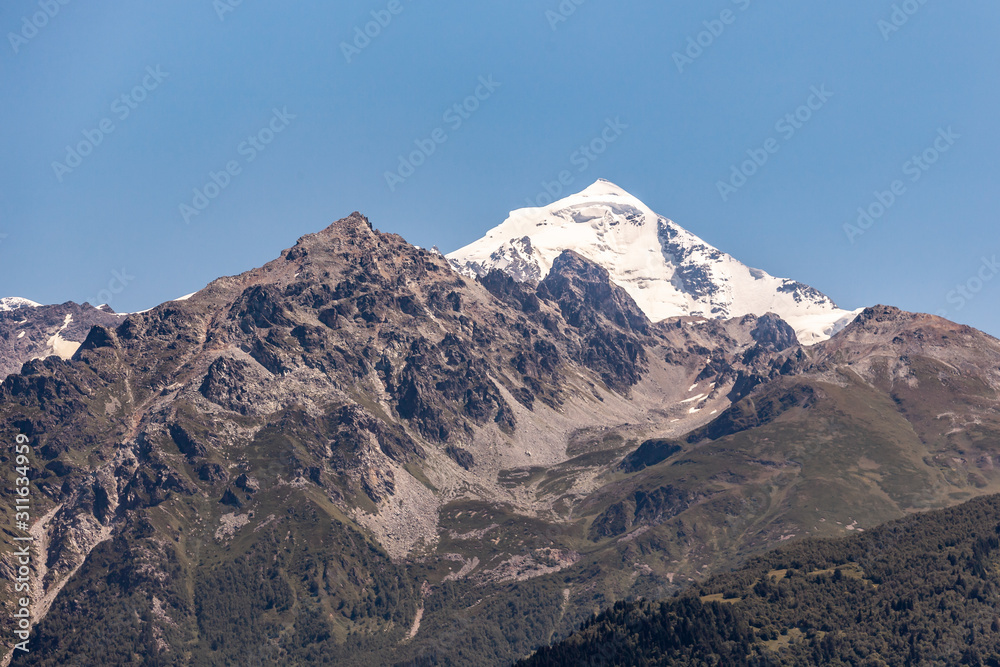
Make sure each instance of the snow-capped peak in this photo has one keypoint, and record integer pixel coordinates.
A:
(9, 303)
(604, 188)
(668, 270)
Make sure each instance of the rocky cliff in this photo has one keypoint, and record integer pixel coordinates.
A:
(356, 453)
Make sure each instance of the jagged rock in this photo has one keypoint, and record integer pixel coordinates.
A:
(186, 442)
(584, 289)
(99, 337)
(461, 456)
(649, 453)
(260, 307)
(606, 316)
(231, 499)
(879, 314)
(756, 411)
(503, 286)
(774, 333)
(643, 507)
(247, 483)
(212, 472)
(41, 331)
(235, 384)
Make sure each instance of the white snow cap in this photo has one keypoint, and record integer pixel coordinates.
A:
(669, 271)
(9, 303)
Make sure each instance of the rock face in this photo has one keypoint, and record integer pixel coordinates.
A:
(584, 289)
(667, 270)
(774, 333)
(609, 321)
(32, 331)
(309, 460)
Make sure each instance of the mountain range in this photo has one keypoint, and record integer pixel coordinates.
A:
(367, 453)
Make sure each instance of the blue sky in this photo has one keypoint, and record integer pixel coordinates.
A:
(299, 131)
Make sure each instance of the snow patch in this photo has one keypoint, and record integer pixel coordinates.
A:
(65, 349)
(9, 303)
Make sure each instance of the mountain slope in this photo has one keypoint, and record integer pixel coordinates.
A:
(354, 453)
(356, 378)
(923, 590)
(666, 269)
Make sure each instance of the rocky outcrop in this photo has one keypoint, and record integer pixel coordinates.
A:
(757, 410)
(609, 323)
(43, 331)
(584, 292)
(650, 453)
(643, 507)
(773, 333)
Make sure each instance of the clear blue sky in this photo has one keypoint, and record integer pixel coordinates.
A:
(223, 73)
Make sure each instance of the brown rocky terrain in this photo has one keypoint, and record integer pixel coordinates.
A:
(354, 451)
(31, 333)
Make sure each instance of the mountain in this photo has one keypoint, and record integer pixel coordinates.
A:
(356, 455)
(669, 271)
(29, 330)
(10, 303)
(922, 590)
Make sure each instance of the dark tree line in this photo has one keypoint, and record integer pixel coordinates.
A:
(924, 590)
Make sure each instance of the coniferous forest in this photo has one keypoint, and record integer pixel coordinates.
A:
(924, 590)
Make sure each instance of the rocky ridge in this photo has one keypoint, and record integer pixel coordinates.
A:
(33, 331)
(378, 434)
